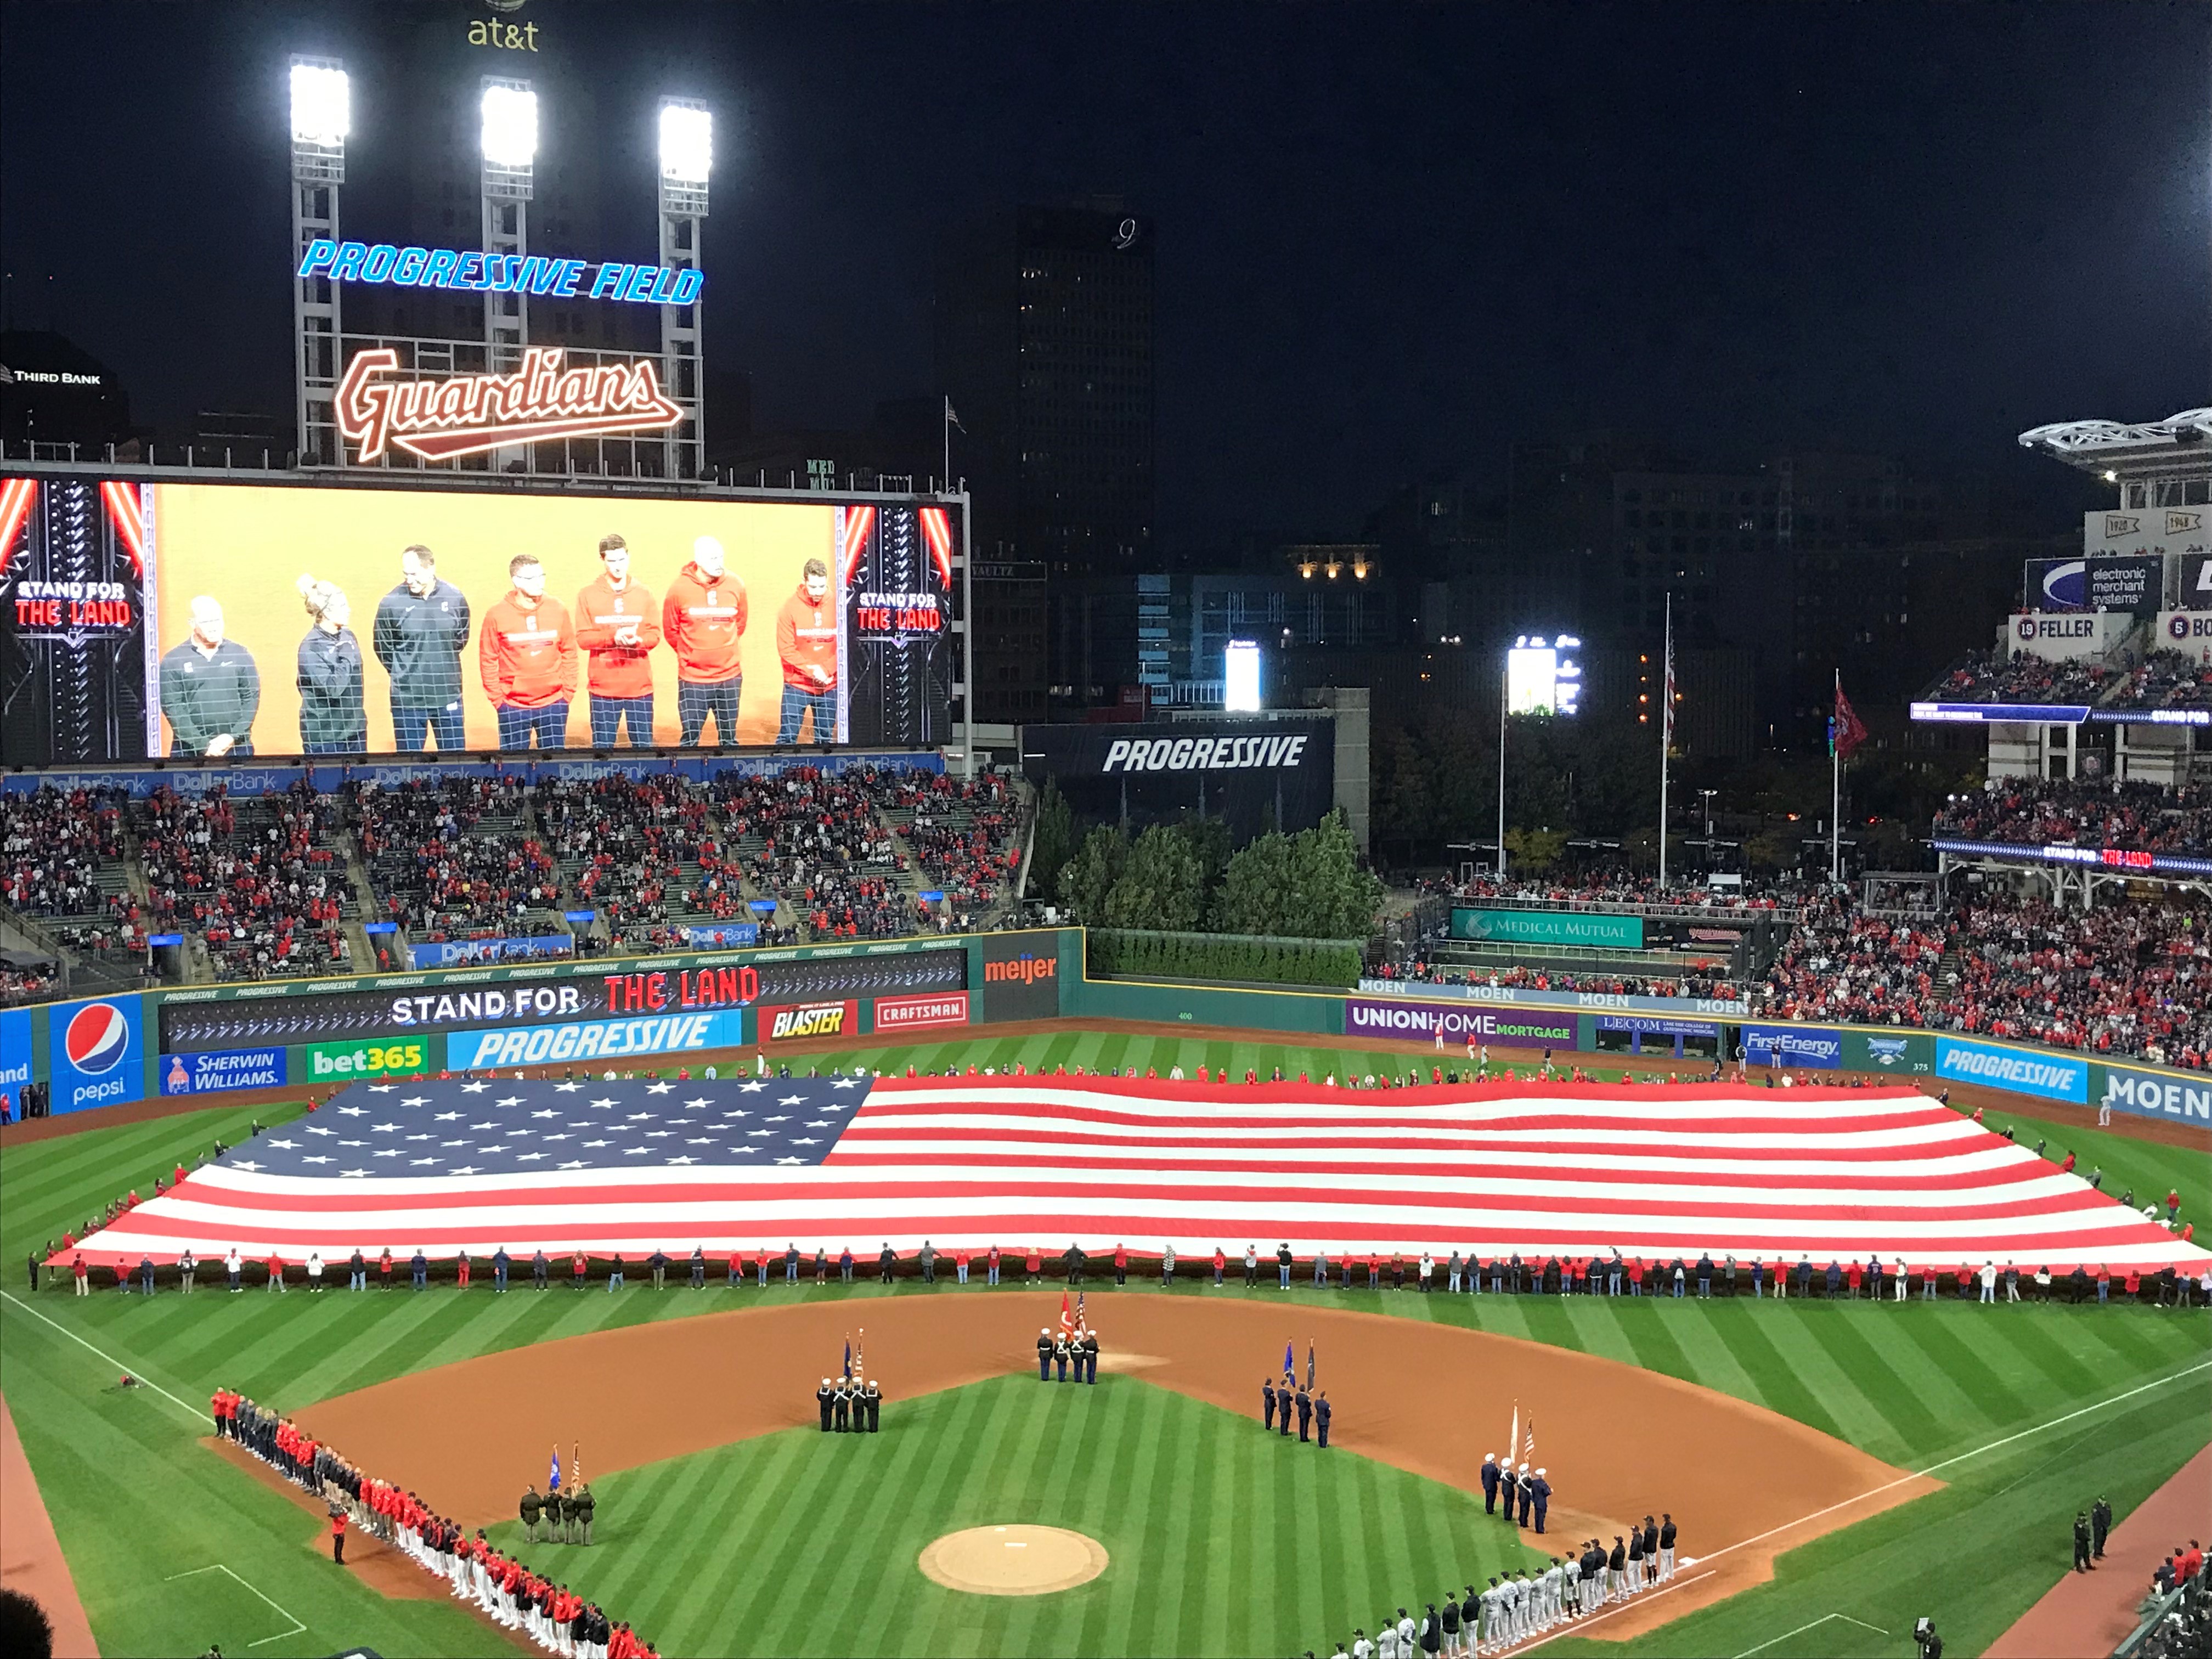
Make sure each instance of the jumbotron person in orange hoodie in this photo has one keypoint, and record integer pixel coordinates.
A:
(703, 619)
(527, 654)
(618, 625)
(806, 640)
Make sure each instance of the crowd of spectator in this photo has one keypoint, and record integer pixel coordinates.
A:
(450, 860)
(21, 985)
(1995, 676)
(1840, 963)
(965, 837)
(627, 841)
(256, 877)
(2136, 816)
(54, 843)
(2167, 679)
(1711, 981)
(1608, 884)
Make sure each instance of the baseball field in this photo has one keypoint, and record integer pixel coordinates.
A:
(1839, 1467)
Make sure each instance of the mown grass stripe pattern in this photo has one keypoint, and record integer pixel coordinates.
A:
(762, 1562)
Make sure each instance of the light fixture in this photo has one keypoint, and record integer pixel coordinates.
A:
(687, 141)
(321, 104)
(510, 124)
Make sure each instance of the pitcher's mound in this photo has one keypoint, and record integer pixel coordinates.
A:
(1013, 1560)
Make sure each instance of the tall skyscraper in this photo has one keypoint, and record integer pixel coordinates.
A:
(1044, 345)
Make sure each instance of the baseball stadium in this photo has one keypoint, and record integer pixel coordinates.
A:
(627, 1108)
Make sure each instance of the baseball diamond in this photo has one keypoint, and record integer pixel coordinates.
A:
(1788, 1441)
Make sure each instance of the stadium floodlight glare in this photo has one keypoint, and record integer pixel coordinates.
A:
(510, 125)
(687, 142)
(321, 104)
(1240, 681)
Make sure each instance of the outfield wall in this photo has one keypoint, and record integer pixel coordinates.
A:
(217, 1039)
(210, 1040)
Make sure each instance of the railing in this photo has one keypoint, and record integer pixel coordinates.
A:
(1732, 910)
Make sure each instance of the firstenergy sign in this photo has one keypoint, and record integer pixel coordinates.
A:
(1203, 754)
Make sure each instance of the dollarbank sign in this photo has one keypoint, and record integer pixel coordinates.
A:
(438, 418)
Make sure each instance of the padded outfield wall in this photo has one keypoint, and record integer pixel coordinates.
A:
(215, 1039)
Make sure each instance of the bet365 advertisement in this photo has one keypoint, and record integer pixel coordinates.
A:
(215, 620)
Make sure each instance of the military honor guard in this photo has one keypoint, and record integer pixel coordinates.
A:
(1490, 1479)
(1322, 1412)
(1507, 1487)
(531, 1505)
(826, 1398)
(840, 1406)
(1267, 1404)
(873, 1397)
(1305, 1414)
(1090, 1355)
(1061, 1346)
(1044, 1354)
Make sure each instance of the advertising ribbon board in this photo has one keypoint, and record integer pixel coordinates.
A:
(1548, 927)
(2154, 1094)
(2021, 1071)
(1419, 1022)
(1791, 1045)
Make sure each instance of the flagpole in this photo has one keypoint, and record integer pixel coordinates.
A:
(948, 442)
(1666, 735)
(1836, 791)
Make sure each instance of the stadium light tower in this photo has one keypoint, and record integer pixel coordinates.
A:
(509, 132)
(321, 116)
(687, 156)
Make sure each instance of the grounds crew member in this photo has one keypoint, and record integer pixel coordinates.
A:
(2100, 1524)
(703, 619)
(2082, 1561)
(527, 654)
(807, 644)
(532, 1504)
(211, 689)
(421, 628)
(617, 626)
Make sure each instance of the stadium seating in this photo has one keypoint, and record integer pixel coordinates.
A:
(455, 860)
(2167, 679)
(1992, 677)
(259, 878)
(2141, 816)
(64, 863)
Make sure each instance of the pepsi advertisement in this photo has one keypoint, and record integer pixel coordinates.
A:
(99, 1054)
(14, 1052)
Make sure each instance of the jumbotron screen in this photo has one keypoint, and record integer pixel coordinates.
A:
(197, 620)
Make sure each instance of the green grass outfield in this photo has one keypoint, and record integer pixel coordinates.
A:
(135, 1498)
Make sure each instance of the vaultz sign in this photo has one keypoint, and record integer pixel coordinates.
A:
(440, 418)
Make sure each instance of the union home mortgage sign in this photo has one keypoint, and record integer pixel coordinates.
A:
(441, 417)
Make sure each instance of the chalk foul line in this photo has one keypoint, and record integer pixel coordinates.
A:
(218, 1567)
(10, 1296)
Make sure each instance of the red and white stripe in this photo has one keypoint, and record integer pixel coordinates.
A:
(1571, 1171)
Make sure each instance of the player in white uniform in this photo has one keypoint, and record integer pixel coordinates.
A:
(1361, 1647)
(1386, 1641)
(1406, 1646)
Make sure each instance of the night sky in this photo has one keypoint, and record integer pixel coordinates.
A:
(1390, 239)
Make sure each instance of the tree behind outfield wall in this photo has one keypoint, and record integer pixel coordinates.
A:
(1161, 884)
(1308, 885)
(1055, 841)
(1088, 877)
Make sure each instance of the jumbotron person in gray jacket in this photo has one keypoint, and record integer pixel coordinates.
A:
(421, 628)
(211, 689)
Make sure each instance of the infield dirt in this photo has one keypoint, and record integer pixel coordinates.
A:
(1743, 1484)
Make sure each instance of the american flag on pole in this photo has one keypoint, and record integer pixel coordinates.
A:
(966, 1162)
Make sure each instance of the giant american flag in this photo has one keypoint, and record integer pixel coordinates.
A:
(1045, 1161)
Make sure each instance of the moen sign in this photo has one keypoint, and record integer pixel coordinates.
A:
(439, 419)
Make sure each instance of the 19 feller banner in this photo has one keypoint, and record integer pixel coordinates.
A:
(225, 621)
